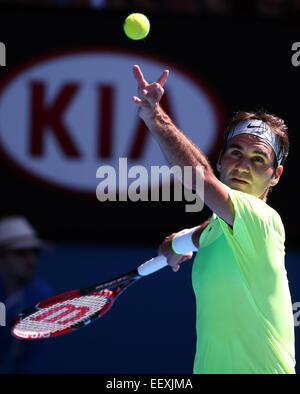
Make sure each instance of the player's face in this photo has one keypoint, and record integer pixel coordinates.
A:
(247, 165)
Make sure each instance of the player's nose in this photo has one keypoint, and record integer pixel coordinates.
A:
(243, 165)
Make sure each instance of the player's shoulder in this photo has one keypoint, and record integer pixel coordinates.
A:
(259, 208)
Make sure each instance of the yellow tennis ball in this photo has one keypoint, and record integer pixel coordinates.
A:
(136, 26)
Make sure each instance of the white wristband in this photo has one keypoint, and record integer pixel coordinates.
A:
(182, 242)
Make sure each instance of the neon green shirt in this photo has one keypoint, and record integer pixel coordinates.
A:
(244, 315)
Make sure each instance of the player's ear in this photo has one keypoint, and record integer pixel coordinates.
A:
(276, 176)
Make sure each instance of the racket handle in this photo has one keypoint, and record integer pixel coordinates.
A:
(152, 265)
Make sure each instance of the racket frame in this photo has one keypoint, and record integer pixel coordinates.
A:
(111, 289)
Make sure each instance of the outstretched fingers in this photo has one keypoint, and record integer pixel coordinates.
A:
(150, 93)
(139, 77)
(141, 80)
(163, 78)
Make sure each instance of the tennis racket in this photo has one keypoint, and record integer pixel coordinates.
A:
(67, 312)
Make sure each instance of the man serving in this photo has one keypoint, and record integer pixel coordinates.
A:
(244, 317)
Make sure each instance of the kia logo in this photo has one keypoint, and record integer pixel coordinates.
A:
(65, 115)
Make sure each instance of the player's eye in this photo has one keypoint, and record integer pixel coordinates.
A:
(258, 159)
(235, 153)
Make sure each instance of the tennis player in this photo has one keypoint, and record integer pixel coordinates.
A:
(244, 318)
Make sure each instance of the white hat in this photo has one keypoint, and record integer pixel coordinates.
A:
(17, 233)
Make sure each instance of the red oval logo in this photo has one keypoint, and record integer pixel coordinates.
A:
(64, 116)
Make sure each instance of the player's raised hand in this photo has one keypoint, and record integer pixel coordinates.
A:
(149, 95)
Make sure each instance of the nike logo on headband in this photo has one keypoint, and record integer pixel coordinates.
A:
(259, 129)
(253, 127)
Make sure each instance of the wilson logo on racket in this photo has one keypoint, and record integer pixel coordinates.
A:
(65, 310)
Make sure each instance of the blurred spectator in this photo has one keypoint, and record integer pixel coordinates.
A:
(19, 289)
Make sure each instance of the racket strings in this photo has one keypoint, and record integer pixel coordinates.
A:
(65, 314)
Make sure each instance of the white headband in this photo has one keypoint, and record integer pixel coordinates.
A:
(260, 129)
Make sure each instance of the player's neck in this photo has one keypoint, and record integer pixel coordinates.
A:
(265, 195)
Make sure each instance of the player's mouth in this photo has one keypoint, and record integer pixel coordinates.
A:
(240, 181)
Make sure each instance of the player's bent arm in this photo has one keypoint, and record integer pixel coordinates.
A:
(180, 150)
(217, 198)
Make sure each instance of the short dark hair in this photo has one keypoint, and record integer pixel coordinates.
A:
(276, 124)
